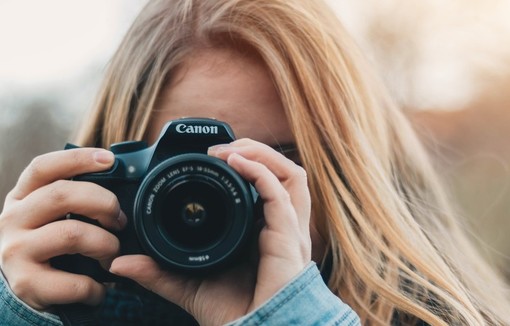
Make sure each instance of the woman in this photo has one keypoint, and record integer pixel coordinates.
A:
(278, 71)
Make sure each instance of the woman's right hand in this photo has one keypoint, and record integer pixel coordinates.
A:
(32, 228)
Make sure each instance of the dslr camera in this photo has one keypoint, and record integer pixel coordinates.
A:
(189, 211)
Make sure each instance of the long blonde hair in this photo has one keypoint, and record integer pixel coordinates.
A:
(396, 248)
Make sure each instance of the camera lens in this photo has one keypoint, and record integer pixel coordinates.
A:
(195, 213)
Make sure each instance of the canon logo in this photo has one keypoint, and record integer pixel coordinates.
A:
(185, 129)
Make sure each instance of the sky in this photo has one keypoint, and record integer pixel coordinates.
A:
(47, 45)
(51, 41)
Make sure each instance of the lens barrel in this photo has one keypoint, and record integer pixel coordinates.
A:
(193, 212)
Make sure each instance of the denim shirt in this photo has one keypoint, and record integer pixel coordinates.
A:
(306, 300)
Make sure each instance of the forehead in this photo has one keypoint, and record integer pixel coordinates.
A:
(224, 85)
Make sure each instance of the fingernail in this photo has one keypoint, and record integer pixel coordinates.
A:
(103, 157)
(122, 219)
(218, 148)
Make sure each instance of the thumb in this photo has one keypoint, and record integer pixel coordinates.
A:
(146, 272)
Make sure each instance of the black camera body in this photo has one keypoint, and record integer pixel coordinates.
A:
(189, 211)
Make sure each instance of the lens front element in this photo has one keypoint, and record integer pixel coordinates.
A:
(193, 212)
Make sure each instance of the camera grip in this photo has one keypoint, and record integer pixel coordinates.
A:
(79, 264)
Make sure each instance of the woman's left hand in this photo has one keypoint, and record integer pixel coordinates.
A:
(284, 243)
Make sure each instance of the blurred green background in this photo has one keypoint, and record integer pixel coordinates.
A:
(446, 63)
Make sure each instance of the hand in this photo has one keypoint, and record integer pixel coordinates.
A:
(284, 243)
(32, 229)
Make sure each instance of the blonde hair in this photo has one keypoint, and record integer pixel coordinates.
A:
(397, 250)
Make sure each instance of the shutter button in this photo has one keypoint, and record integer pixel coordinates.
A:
(128, 147)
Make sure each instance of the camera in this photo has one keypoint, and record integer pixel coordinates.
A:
(189, 211)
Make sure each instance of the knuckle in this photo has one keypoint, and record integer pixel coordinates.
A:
(243, 141)
(10, 197)
(22, 286)
(284, 197)
(111, 204)
(82, 289)
(10, 250)
(4, 224)
(36, 167)
(264, 171)
(6, 217)
(71, 231)
(109, 245)
(76, 156)
(58, 191)
(300, 172)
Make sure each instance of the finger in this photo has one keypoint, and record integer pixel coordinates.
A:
(72, 237)
(279, 212)
(282, 167)
(53, 201)
(64, 164)
(41, 289)
(292, 176)
(146, 272)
